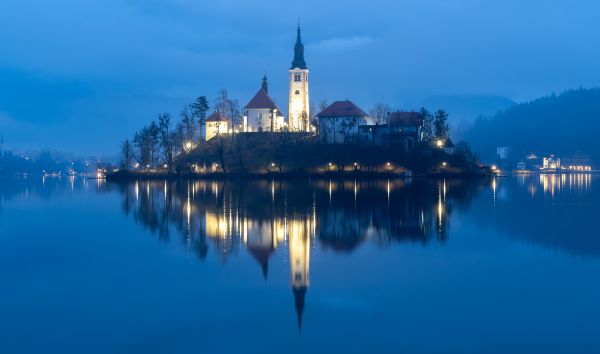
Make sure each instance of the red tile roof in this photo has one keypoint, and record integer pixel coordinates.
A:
(342, 109)
(405, 119)
(262, 101)
(217, 117)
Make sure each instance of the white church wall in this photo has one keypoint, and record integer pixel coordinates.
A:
(260, 120)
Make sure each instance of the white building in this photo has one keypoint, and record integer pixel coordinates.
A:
(216, 124)
(338, 123)
(298, 120)
(551, 163)
(262, 114)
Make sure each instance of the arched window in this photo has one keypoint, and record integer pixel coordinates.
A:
(297, 92)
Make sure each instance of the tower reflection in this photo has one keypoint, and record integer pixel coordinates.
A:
(263, 216)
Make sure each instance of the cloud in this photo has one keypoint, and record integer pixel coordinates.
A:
(343, 43)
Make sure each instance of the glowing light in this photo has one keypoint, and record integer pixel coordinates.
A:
(439, 143)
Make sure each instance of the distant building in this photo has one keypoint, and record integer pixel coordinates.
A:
(262, 114)
(449, 147)
(401, 129)
(339, 123)
(216, 124)
(503, 152)
(551, 163)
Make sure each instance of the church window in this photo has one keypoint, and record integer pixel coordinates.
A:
(297, 77)
(297, 92)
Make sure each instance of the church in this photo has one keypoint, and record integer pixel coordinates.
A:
(262, 114)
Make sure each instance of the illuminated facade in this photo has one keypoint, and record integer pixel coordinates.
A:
(551, 163)
(299, 240)
(216, 124)
(262, 114)
(298, 119)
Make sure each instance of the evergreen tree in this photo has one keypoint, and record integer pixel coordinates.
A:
(440, 125)
(199, 110)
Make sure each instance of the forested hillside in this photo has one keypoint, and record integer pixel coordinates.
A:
(564, 124)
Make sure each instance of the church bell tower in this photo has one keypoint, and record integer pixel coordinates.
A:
(298, 119)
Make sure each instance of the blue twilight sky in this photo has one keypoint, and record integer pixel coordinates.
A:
(80, 75)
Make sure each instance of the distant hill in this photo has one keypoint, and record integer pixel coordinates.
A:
(566, 124)
(467, 108)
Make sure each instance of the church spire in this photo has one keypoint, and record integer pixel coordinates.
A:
(299, 295)
(299, 52)
(265, 84)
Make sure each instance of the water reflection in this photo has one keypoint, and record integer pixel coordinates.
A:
(263, 216)
(225, 219)
(556, 211)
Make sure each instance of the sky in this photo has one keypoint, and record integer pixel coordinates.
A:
(82, 75)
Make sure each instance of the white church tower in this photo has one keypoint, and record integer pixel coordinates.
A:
(298, 119)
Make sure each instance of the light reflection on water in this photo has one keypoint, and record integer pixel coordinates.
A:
(346, 218)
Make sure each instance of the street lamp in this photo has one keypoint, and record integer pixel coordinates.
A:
(188, 146)
(439, 143)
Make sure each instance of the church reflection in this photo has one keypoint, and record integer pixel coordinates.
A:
(263, 216)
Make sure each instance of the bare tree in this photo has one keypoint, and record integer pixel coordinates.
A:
(322, 105)
(166, 138)
(428, 134)
(379, 113)
(142, 142)
(127, 154)
(189, 123)
(235, 112)
(221, 149)
(153, 141)
(222, 102)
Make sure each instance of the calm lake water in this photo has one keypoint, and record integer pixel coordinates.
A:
(507, 265)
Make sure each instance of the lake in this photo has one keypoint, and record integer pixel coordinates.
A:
(323, 266)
